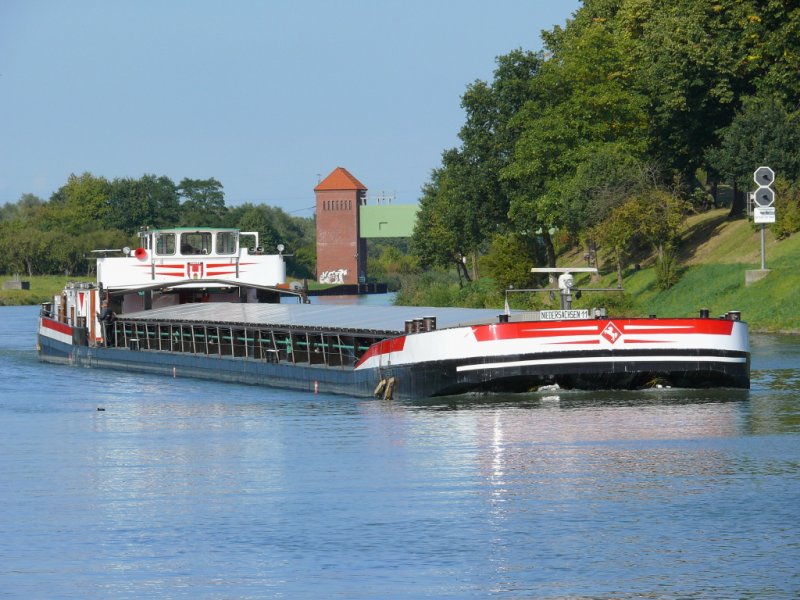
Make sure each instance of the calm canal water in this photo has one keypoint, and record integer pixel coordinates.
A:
(187, 489)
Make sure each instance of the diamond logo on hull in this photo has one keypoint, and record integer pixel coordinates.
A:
(611, 332)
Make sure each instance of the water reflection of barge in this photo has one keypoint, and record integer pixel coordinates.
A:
(206, 308)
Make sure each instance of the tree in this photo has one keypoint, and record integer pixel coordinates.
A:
(607, 176)
(696, 61)
(24, 208)
(297, 234)
(490, 134)
(583, 104)
(24, 248)
(467, 201)
(80, 205)
(510, 258)
(661, 217)
(445, 231)
(617, 232)
(763, 132)
(149, 201)
(257, 218)
(203, 202)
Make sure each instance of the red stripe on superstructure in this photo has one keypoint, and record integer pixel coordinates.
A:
(183, 265)
(57, 326)
(384, 347)
(209, 273)
(632, 341)
(555, 329)
(171, 274)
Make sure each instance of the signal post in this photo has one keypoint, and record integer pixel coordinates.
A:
(763, 213)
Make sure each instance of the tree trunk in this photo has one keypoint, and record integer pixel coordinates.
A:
(551, 251)
(737, 203)
(715, 192)
(618, 257)
(463, 273)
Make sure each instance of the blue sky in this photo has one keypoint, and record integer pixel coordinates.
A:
(265, 96)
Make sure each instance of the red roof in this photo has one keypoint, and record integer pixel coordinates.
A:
(340, 179)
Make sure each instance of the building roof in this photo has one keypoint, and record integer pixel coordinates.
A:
(340, 179)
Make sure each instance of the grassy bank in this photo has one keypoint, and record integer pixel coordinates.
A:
(714, 255)
(42, 289)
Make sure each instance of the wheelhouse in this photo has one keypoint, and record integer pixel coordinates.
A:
(167, 243)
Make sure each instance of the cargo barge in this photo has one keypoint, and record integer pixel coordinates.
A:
(196, 303)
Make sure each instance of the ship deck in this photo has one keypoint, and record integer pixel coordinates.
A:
(330, 335)
(384, 320)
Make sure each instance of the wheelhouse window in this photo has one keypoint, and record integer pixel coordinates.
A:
(195, 242)
(165, 243)
(227, 242)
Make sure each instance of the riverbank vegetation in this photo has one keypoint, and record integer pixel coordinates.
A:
(90, 212)
(608, 146)
(635, 115)
(710, 274)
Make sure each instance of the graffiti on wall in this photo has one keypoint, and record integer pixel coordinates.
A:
(333, 276)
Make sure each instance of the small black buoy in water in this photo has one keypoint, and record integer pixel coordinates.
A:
(100, 409)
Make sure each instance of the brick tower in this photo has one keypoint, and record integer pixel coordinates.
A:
(341, 253)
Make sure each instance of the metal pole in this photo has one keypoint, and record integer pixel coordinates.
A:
(763, 247)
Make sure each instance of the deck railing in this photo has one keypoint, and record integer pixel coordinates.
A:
(279, 345)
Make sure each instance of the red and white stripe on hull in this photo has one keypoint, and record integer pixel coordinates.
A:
(55, 330)
(620, 336)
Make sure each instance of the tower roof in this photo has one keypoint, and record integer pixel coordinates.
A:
(340, 179)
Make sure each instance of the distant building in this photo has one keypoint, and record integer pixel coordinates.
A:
(344, 222)
(341, 252)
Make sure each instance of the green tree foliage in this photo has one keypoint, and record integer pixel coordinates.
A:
(697, 61)
(490, 132)
(616, 233)
(23, 248)
(763, 132)
(149, 201)
(82, 204)
(203, 202)
(510, 258)
(584, 109)
(274, 227)
(389, 261)
(24, 208)
(650, 217)
(787, 208)
(630, 98)
(89, 213)
(467, 200)
(437, 239)
(605, 178)
(256, 218)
